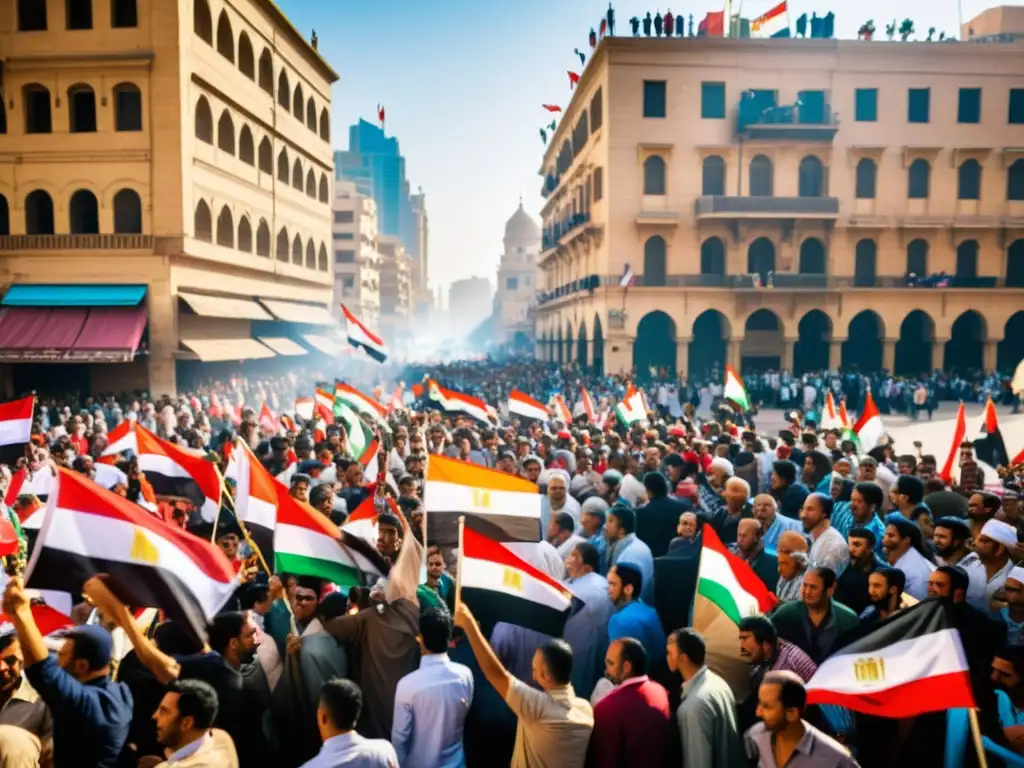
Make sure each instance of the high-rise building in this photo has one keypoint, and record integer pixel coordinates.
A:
(470, 302)
(518, 275)
(166, 191)
(395, 290)
(795, 204)
(419, 253)
(356, 259)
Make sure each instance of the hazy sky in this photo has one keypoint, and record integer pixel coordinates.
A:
(462, 83)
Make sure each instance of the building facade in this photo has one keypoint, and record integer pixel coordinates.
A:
(423, 301)
(470, 302)
(774, 199)
(165, 172)
(518, 280)
(356, 259)
(395, 290)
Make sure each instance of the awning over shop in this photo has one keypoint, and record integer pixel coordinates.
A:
(217, 350)
(99, 295)
(290, 312)
(218, 306)
(284, 346)
(67, 335)
(325, 344)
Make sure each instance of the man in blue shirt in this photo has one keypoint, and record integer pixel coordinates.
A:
(634, 618)
(91, 713)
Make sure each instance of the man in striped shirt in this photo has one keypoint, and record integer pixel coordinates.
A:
(762, 648)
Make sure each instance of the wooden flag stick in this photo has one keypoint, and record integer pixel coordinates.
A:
(972, 716)
(462, 554)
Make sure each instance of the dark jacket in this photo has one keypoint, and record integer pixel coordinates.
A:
(793, 624)
(656, 522)
(766, 565)
(791, 500)
(675, 581)
(852, 586)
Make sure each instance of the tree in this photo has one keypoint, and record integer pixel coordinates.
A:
(906, 29)
(867, 30)
(890, 29)
(931, 33)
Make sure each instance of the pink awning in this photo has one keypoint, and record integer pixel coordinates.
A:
(70, 334)
(17, 324)
(113, 328)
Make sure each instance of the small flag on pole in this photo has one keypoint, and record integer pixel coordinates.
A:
(869, 428)
(959, 431)
(552, 107)
(574, 79)
(734, 390)
(990, 447)
(628, 279)
(380, 115)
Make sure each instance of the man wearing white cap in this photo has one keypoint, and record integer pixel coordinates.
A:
(988, 572)
(1013, 613)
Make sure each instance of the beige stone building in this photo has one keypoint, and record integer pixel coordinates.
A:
(356, 259)
(422, 300)
(518, 280)
(774, 198)
(395, 291)
(165, 172)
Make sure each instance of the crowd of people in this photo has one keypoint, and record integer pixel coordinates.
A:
(396, 672)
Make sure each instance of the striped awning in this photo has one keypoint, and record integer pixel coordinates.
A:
(284, 346)
(217, 350)
(307, 314)
(221, 306)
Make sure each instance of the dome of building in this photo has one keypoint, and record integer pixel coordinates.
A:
(522, 226)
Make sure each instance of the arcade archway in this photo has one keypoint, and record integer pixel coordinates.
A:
(810, 353)
(966, 346)
(862, 350)
(914, 349)
(762, 347)
(707, 353)
(655, 345)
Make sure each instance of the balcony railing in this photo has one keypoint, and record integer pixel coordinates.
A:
(76, 242)
(790, 122)
(731, 206)
(551, 182)
(556, 231)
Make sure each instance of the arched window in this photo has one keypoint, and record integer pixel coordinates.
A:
(917, 257)
(244, 235)
(246, 151)
(311, 115)
(204, 121)
(918, 177)
(297, 174)
(969, 180)
(310, 255)
(246, 59)
(325, 124)
(713, 176)
(225, 38)
(865, 264)
(297, 251)
(31, 16)
(284, 91)
(967, 260)
(38, 112)
(812, 257)
(226, 133)
(282, 245)
(811, 177)
(127, 212)
(127, 107)
(5, 216)
(867, 174)
(311, 184)
(298, 102)
(226, 228)
(84, 212)
(321, 259)
(202, 22)
(325, 192)
(38, 213)
(81, 109)
(1015, 181)
(203, 223)
(1014, 263)
(263, 239)
(124, 14)
(761, 183)
(654, 261)
(267, 72)
(78, 14)
(266, 159)
(712, 257)
(282, 166)
(654, 175)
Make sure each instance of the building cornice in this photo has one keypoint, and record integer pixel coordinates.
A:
(307, 51)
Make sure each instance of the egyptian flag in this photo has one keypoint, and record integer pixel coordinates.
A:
(90, 531)
(561, 410)
(360, 337)
(16, 421)
(323, 405)
(588, 405)
(990, 447)
(255, 498)
(912, 663)
(363, 404)
(23, 483)
(500, 586)
(525, 407)
(958, 437)
(456, 402)
(502, 506)
(48, 620)
(304, 408)
(830, 418)
(268, 421)
(174, 471)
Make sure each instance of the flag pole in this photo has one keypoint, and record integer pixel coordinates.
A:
(220, 501)
(972, 716)
(462, 554)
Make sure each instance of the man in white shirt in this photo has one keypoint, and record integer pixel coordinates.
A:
(561, 534)
(431, 703)
(828, 547)
(336, 716)
(903, 546)
(989, 565)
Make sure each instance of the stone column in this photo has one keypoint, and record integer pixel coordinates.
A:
(889, 354)
(835, 354)
(938, 357)
(163, 338)
(683, 357)
(787, 354)
(991, 354)
(735, 353)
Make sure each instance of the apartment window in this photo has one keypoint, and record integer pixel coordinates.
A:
(31, 16)
(918, 177)
(596, 111)
(1016, 116)
(712, 101)
(79, 14)
(512, 283)
(124, 13)
(348, 283)
(654, 98)
(598, 184)
(38, 117)
(344, 236)
(344, 217)
(867, 174)
(918, 105)
(969, 180)
(344, 257)
(127, 107)
(969, 106)
(865, 104)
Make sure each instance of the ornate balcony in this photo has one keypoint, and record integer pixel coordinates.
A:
(752, 207)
